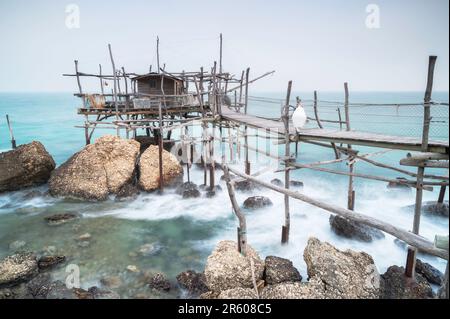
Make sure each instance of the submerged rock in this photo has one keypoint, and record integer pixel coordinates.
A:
(256, 202)
(193, 282)
(395, 285)
(149, 169)
(399, 185)
(437, 209)
(112, 282)
(296, 184)
(46, 262)
(277, 182)
(26, 166)
(345, 274)
(98, 293)
(227, 269)
(60, 219)
(431, 274)
(149, 249)
(188, 190)
(96, 171)
(16, 245)
(245, 186)
(158, 281)
(279, 270)
(351, 229)
(17, 268)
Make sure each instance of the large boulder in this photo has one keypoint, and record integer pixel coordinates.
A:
(149, 169)
(17, 268)
(395, 285)
(346, 274)
(279, 270)
(96, 171)
(28, 165)
(226, 268)
(314, 289)
(350, 229)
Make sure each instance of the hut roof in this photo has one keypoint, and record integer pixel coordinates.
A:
(156, 75)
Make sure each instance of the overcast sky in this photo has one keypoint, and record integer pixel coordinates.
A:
(317, 44)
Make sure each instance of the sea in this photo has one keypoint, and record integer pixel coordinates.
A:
(164, 233)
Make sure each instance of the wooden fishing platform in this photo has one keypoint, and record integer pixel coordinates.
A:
(336, 135)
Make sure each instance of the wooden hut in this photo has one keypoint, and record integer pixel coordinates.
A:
(158, 84)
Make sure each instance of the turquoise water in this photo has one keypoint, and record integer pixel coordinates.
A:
(186, 230)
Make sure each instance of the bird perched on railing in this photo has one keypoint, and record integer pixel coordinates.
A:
(299, 117)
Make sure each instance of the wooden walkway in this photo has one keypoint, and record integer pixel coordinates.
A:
(337, 136)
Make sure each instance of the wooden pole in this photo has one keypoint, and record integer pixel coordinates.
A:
(412, 252)
(220, 58)
(101, 80)
(351, 192)
(287, 223)
(319, 124)
(79, 84)
(157, 52)
(160, 150)
(115, 86)
(246, 89)
(242, 230)
(442, 194)
(126, 88)
(11, 134)
(240, 90)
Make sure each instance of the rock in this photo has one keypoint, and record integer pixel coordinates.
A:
(84, 237)
(17, 268)
(211, 192)
(60, 219)
(159, 282)
(149, 169)
(345, 274)
(188, 190)
(351, 229)
(277, 182)
(59, 290)
(232, 176)
(39, 286)
(226, 268)
(245, 186)
(434, 208)
(127, 193)
(98, 293)
(279, 270)
(26, 166)
(431, 274)
(133, 268)
(96, 171)
(296, 184)
(46, 262)
(112, 282)
(395, 285)
(238, 293)
(149, 249)
(399, 186)
(16, 245)
(209, 295)
(256, 202)
(193, 282)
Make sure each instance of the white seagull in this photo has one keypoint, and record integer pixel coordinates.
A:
(299, 117)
